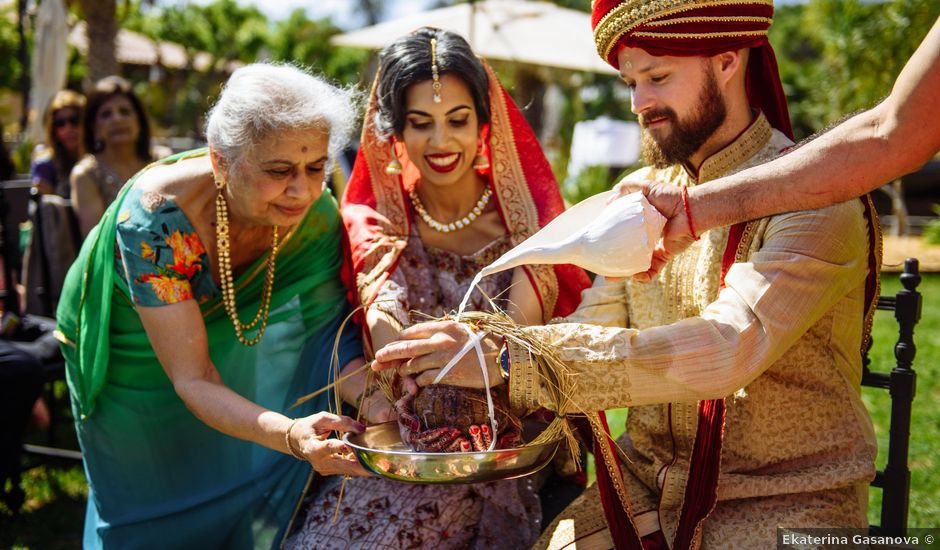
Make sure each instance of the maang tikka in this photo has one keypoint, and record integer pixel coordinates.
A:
(435, 76)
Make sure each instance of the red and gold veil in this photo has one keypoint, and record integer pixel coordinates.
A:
(378, 220)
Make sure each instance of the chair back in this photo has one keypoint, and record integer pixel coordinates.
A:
(895, 479)
(14, 210)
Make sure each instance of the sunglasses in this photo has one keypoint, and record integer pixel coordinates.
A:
(62, 122)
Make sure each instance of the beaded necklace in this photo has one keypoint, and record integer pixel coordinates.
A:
(454, 225)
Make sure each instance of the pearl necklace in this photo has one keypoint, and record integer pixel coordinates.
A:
(228, 284)
(454, 225)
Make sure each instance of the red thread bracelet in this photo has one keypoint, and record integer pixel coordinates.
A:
(688, 211)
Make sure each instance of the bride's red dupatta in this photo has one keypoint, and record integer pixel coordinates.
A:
(378, 221)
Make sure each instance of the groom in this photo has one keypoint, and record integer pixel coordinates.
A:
(741, 360)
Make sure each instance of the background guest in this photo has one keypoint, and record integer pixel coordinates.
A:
(20, 386)
(117, 136)
(51, 169)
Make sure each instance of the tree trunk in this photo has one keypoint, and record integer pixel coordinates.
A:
(23, 58)
(101, 21)
(372, 9)
(895, 191)
(530, 95)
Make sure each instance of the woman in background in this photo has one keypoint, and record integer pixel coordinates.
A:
(51, 169)
(117, 136)
(55, 239)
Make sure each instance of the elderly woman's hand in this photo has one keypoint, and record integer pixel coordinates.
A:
(310, 436)
(426, 348)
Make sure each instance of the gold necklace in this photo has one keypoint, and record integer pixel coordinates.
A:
(454, 225)
(228, 284)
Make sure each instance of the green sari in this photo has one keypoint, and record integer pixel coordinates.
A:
(158, 476)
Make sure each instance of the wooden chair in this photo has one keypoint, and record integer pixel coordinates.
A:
(895, 480)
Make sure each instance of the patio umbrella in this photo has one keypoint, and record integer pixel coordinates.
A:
(538, 33)
(49, 62)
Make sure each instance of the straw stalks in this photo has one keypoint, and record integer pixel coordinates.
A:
(555, 376)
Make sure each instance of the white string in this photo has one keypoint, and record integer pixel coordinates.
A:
(457, 357)
(474, 343)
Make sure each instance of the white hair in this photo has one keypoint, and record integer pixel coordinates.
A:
(262, 98)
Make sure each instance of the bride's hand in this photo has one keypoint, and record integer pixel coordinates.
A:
(375, 408)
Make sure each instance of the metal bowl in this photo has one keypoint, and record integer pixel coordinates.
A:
(380, 450)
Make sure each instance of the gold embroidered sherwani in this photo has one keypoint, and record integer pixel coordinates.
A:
(781, 342)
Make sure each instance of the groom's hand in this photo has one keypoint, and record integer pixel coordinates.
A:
(424, 349)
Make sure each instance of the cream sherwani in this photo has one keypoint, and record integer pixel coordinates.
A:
(781, 343)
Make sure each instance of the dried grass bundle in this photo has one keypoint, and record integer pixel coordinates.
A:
(554, 374)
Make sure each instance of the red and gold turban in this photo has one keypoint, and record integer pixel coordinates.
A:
(698, 28)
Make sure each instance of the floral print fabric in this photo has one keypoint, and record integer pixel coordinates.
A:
(158, 251)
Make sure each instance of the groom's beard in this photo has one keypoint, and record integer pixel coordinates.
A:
(685, 136)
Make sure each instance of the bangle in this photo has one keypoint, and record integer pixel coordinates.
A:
(297, 454)
(688, 211)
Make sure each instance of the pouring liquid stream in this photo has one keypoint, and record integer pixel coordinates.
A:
(610, 237)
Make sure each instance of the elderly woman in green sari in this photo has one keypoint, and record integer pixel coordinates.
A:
(181, 405)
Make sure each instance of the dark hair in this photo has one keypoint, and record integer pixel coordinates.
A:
(407, 61)
(105, 89)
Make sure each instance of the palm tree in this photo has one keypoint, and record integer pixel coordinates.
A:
(101, 27)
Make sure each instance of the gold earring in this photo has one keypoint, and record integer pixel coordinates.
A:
(481, 163)
(393, 168)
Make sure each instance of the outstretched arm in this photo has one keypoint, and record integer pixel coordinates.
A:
(862, 153)
(896, 137)
(809, 261)
(178, 336)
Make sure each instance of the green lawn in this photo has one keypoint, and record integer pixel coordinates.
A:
(56, 492)
(925, 424)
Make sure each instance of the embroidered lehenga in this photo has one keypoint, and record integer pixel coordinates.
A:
(395, 270)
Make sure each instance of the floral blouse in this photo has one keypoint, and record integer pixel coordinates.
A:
(159, 253)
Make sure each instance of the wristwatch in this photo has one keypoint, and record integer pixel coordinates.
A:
(504, 361)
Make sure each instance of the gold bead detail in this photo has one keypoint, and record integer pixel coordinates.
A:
(227, 281)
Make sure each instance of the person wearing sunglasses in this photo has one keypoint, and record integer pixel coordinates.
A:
(51, 168)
